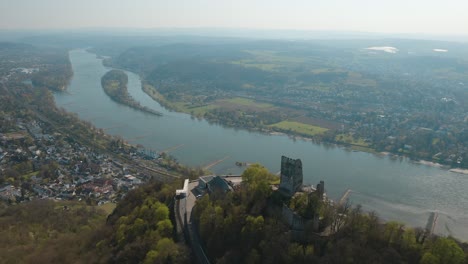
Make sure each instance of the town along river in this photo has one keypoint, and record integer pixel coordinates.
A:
(395, 188)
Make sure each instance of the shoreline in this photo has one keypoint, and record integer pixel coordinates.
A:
(430, 163)
(459, 170)
(156, 96)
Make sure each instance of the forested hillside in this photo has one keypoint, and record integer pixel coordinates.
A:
(140, 230)
(246, 226)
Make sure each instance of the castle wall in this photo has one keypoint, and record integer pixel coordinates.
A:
(295, 221)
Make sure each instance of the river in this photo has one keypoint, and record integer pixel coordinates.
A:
(396, 189)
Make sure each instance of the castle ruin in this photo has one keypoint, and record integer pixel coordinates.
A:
(291, 176)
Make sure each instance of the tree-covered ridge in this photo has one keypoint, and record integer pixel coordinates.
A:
(140, 230)
(45, 231)
(114, 83)
(246, 226)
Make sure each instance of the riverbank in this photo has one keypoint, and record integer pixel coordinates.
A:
(461, 171)
(268, 130)
(278, 131)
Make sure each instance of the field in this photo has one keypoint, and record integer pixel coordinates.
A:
(108, 207)
(261, 66)
(236, 103)
(317, 122)
(245, 102)
(355, 78)
(273, 57)
(301, 128)
(268, 60)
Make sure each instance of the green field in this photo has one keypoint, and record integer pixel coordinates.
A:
(108, 207)
(355, 78)
(267, 60)
(273, 57)
(248, 102)
(301, 128)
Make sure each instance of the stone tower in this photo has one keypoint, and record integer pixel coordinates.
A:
(291, 175)
(321, 189)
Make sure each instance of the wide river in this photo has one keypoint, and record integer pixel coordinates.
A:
(396, 189)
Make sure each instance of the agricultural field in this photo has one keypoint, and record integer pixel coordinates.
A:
(239, 102)
(301, 128)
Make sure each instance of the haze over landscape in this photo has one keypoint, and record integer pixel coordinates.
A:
(233, 132)
(399, 16)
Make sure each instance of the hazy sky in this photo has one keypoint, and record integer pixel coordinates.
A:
(387, 16)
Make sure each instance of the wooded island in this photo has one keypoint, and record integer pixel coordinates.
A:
(115, 83)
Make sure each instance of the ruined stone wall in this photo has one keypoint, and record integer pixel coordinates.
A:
(295, 221)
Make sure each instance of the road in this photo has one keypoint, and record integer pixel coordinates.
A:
(191, 233)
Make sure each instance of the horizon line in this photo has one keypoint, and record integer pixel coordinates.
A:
(218, 32)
